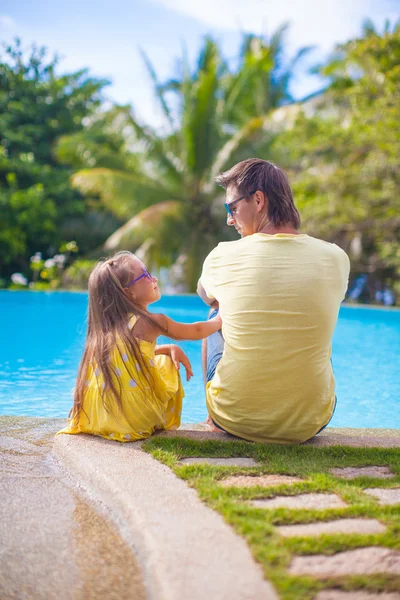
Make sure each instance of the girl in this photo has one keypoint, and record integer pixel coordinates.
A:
(127, 387)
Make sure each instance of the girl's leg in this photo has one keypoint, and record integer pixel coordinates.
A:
(173, 411)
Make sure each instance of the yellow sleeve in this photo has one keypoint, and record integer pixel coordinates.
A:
(206, 278)
(344, 271)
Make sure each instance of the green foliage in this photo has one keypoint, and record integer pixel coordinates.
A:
(211, 120)
(47, 273)
(71, 169)
(36, 108)
(76, 276)
(343, 151)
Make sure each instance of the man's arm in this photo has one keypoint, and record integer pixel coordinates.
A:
(202, 293)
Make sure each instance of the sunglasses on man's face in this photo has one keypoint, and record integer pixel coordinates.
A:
(144, 274)
(229, 206)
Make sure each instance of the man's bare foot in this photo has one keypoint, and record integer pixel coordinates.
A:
(211, 426)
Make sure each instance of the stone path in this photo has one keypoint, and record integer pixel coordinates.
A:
(220, 462)
(361, 595)
(353, 472)
(362, 561)
(348, 526)
(307, 501)
(385, 496)
(259, 480)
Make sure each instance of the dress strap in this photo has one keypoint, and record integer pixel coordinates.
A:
(132, 321)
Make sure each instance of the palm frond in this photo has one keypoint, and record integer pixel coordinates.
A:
(158, 150)
(200, 128)
(232, 145)
(158, 88)
(122, 193)
(141, 227)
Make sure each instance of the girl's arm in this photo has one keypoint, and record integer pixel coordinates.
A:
(178, 356)
(188, 331)
(163, 349)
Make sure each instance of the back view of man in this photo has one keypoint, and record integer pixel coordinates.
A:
(269, 378)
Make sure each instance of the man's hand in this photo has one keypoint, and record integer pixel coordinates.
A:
(178, 356)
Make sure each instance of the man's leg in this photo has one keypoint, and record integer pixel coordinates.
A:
(211, 353)
(204, 360)
(334, 407)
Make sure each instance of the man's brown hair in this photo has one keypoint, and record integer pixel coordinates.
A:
(256, 174)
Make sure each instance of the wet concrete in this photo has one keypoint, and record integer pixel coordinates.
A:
(55, 542)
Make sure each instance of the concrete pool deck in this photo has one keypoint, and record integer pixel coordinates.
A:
(82, 517)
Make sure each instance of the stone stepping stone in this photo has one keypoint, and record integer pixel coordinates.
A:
(307, 501)
(363, 561)
(219, 462)
(262, 480)
(360, 595)
(362, 526)
(353, 472)
(385, 495)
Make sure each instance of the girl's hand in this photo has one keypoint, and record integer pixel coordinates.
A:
(217, 320)
(178, 356)
(187, 331)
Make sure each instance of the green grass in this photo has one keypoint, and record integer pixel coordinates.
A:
(258, 526)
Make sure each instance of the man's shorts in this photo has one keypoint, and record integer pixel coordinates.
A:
(215, 349)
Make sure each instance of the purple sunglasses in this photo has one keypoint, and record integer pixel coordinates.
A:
(144, 274)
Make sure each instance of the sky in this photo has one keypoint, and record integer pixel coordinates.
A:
(106, 35)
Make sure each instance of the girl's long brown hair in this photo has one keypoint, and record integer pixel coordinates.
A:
(110, 309)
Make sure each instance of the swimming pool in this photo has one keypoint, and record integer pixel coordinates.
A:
(43, 334)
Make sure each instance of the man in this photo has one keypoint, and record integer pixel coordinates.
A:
(269, 375)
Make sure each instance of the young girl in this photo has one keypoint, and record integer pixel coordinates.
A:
(127, 387)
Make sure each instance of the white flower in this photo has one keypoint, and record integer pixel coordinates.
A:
(49, 263)
(37, 257)
(19, 279)
(59, 259)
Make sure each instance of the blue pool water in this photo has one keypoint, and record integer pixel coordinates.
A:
(42, 335)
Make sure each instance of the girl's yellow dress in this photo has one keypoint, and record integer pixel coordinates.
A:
(144, 408)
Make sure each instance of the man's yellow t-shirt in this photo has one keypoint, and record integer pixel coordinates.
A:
(279, 298)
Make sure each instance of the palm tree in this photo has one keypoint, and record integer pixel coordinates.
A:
(167, 180)
(262, 81)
